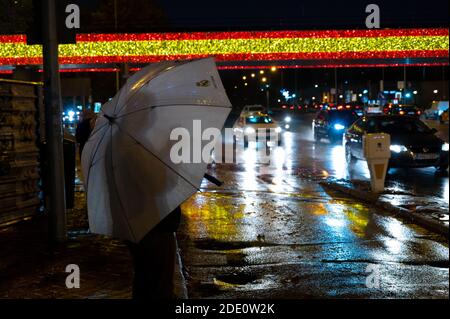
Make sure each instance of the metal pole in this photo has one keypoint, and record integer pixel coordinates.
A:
(443, 95)
(118, 65)
(53, 126)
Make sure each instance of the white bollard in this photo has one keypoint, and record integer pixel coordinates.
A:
(376, 148)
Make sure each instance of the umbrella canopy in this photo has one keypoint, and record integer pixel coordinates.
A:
(130, 179)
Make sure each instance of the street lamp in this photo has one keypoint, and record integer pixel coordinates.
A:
(261, 72)
(253, 75)
(264, 80)
(316, 86)
(273, 69)
(244, 78)
(435, 91)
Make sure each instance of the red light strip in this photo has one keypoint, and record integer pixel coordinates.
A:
(264, 67)
(235, 57)
(358, 65)
(243, 35)
(261, 35)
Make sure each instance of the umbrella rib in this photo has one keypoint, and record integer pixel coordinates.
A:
(167, 105)
(154, 155)
(97, 129)
(117, 191)
(117, 102)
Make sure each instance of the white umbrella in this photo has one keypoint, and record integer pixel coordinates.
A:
(130, 179)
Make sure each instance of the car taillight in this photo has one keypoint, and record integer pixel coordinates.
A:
(292, 107)
(418, 112)
(284, 106)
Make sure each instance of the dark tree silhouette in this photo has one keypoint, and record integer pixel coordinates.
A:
(96, 16)
(15, 16)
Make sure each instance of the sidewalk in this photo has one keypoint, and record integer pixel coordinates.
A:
(30, 269)
(429, 212)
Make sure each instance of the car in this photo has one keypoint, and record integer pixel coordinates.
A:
(355, 106)
(373, 109)
(332, 122)
(250, 127)
(251, 109)
(286, 123)
(413, 143)
(314, 107)
(402, 109)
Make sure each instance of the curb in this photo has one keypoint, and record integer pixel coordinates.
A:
(372, 199)
(180, 288)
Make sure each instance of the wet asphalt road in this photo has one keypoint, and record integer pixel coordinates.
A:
(271, 231)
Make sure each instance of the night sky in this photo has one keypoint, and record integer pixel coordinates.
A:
(240, 14)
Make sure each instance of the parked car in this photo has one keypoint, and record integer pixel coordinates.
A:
(413, 143)
(331, 123)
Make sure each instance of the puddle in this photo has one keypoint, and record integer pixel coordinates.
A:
(236, 279)
(432, 263)
(211, 244)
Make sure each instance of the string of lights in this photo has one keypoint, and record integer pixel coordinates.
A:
(235, 46)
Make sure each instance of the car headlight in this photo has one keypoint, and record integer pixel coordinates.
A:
(398, 148)
(287, 119)
(339, 127)
(445, 147)
(250, 130)
(278, 130)
(287, 126)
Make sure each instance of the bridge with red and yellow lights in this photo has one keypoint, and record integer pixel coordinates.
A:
(241, 50)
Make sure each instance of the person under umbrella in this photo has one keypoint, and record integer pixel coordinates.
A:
(84, 128)
(134, 187)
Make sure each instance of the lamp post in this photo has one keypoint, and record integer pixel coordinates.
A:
(53, 125)
(264, 81)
